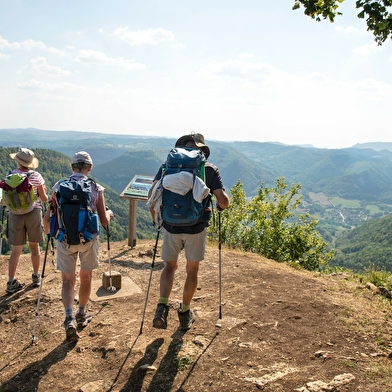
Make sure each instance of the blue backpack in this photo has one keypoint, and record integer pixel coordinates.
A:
(72, 219)
(180, 208)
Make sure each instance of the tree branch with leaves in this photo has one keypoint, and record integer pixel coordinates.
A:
(271, 225)
(377, 13)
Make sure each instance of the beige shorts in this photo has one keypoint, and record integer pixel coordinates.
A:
(27, 226)
(194, 245)
(67, 256)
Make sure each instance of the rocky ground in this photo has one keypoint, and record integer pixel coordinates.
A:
(281, 330)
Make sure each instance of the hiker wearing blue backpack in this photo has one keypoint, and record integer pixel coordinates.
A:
(184, 196)
(77, 208)
(24, 221)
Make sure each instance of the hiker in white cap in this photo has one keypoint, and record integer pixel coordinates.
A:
(87, 251)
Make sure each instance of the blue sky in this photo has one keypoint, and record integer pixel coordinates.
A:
(233, 70)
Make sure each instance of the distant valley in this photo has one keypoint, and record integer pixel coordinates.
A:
(341, 187)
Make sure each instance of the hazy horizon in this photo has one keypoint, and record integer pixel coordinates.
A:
(231, 70)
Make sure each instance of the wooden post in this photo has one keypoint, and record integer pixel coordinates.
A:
(136, 190)
(132, 222)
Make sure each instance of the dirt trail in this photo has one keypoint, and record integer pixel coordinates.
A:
(282, 330)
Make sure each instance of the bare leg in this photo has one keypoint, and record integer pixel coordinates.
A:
(68, 289)
(167, 278)
(35, 256)
(14, 259)
(85, 286)
(192, 269)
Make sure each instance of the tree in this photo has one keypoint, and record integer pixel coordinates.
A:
(378, 14)
(270, 225)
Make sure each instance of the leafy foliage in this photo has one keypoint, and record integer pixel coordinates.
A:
(378, 17)
(378, 14)
(367, 245)
(360, 173)
(328, 9)
(379, 277)
(268, 225)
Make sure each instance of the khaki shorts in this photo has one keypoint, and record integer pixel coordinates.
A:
(27, 226)
(194, 245)
(67, 256)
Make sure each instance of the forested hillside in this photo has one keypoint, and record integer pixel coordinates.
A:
(350, 173)
(368, 245)
(342, 188)
(54, 165)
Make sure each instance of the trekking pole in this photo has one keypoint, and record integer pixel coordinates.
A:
(110, 287)
(219, 323)
(33, 337)
(2, 229)
(149, 281)
(52, 249)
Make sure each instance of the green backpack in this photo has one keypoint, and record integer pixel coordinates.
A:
(18, 192)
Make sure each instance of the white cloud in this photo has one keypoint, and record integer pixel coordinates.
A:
(366, 49)
(246, 55)
(238, 70)
(30, 44)
(40, 65)
(348, 30)
(374, 90)
(4, 56)
(5, 44)
(318, 77)
(91, 56)
(57, 91)
(40, 86)
(140, 37)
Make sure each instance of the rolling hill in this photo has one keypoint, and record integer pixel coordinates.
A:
(370, 243)
(355, 183)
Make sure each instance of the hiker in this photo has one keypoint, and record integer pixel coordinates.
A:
(191, 238)
(29, 224)
(87, 251)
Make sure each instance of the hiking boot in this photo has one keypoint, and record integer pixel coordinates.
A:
(36, 279)
(82, 319)
(186, 319)
(70, 329)
(14, 286)
(160, 318)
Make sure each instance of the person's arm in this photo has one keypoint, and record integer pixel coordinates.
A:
(222, 199)
(151, 208)
(215, 183)
(41, 189)
(152, 188)
(47, 221)
(104, 214)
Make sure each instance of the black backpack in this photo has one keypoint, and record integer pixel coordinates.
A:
(180, 208)
(72, 219)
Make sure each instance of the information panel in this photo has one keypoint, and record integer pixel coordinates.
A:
(138, 187)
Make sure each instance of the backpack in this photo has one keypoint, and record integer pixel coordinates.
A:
(19, 194)
(72, 219)
(179, 207)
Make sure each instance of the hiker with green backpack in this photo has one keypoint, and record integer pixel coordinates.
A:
(23, 190)
(179, 201)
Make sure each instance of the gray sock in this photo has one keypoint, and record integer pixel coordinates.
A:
(82, 309)
(68, 312)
